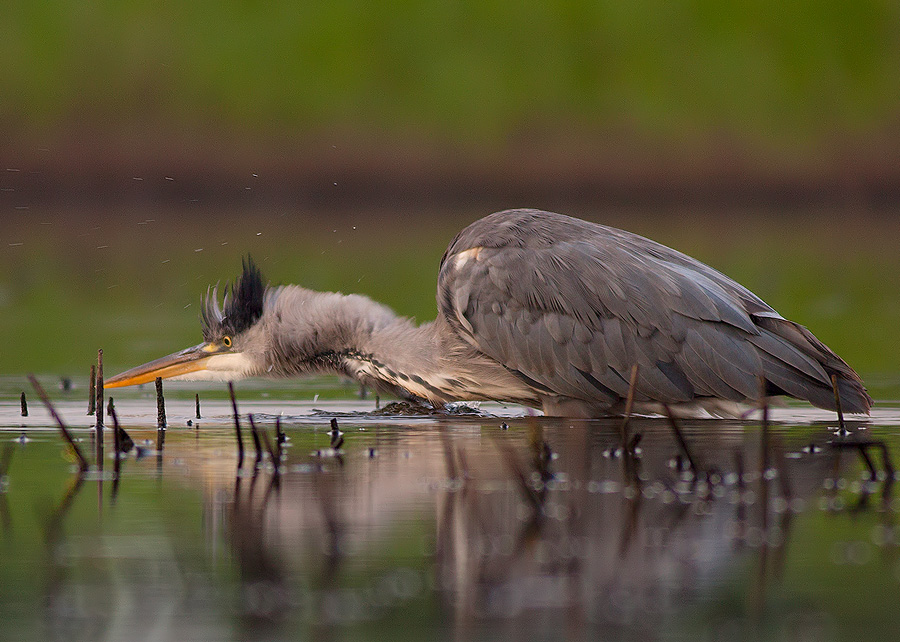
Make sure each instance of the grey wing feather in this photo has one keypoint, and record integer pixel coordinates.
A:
(573, 306)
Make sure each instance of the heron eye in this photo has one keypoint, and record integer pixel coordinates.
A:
(226, 341)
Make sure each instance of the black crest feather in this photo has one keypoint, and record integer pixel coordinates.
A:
(242, 307)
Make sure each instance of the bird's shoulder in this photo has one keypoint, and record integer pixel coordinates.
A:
(545, 262)
(573, 305)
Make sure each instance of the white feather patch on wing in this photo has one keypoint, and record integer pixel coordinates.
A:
(464, 257)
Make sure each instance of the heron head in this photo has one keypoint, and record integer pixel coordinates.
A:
(229, 349)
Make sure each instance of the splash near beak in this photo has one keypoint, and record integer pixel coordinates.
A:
(179, 363)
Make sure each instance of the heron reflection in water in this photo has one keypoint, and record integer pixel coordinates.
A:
(535, 308)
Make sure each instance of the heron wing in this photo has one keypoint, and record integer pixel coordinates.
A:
(572, 306)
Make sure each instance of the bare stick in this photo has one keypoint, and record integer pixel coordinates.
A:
(197, 405)
(24, 404)
(336, 439)
(160, 406)
(681, 441)
(92, 390)
(279, 439)
(82, 462)
(117, 434)
(629, 402)
(99, 410)
(268, 444)
(237, 425)
(837, 401)
(256, 442)
(764, 407)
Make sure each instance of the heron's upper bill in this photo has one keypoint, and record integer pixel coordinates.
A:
(179, 363)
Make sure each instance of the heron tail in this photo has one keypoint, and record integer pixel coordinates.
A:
(796, 363)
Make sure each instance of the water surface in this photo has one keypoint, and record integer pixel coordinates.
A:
(494, 525)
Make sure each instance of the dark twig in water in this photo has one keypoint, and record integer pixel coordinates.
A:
(117, 438)
(534, 496)
(110, 407)
(92, 390)
(197, 406)
(237, 425)
(337, 438)
(24, 405)
(682, 443)
(764, 434)
(269, 449)
(122, 440)
(82, 462)
(862, 448)
(279, 439)
(99, 410)
(837, 401)
(629, 403)
(256, 441)
(160, 405)
(117, 448)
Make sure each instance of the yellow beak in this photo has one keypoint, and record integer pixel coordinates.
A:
(179, 363)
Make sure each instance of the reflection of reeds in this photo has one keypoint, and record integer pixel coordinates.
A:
(256, 441)
(24, 405)
(682, 442)
(237, 426)
(82, 462)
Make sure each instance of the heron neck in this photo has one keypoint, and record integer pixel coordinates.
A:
(401, 355)
(311, 331)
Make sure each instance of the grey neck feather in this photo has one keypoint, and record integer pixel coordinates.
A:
(309, 331)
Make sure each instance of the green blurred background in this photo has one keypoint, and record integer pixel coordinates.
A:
(145, 146)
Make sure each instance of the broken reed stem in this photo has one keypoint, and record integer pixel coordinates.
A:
(92, 390)
(279, 438)
(237, 425)
(682, 443)
(268, 444)
(24, 404)
(629, 403)
(336, 439)
(98, 390)
(82, 462)
(764, 436)
(837, 401)
(117, 441)
(256, 442)
(117, 437)
(160, 406)
(99, 410)
(197, 405)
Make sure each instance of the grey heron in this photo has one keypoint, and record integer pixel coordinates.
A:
(535, 308)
